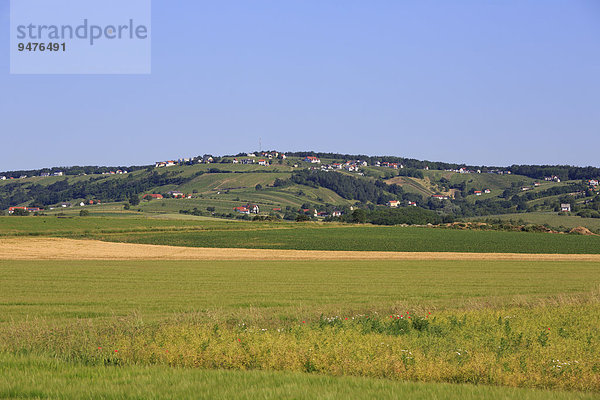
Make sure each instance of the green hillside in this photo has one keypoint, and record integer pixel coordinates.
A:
(286, 186)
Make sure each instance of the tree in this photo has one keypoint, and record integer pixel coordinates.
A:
(359, 216)
(134, 200)
(302, 218)
(258, 187)
(84, 213)
(19, 212)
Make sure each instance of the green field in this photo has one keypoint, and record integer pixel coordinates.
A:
(513, 324)
(198, 232)
(552, 219)
(62, 290)
(37, 377)
(324, 328)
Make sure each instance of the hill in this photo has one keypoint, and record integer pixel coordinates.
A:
(295, 185)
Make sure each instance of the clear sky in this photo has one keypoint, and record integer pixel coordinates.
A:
(481, 82)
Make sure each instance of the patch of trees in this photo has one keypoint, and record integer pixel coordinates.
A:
(348, 187)
(564, 172)
(98, 188)
(75, 170)
(394, 216)
(411, 173)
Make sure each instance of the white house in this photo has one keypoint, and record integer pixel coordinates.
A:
(312, 160)
(565, 207)
(393, 203)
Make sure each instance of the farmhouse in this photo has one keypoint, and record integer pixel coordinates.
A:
(248, 161)
(336, 214)
(247, 209)
(153, 196)
(412, 203)
(565, 207)
(2, 178)
(477, 193)
(263, 162)
(593, 182)
(393, 203)
(487, 191)
(440, 197)
(58, 173)
(177, 194)
(312, 160)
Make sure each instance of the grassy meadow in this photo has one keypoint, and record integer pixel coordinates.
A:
(322, 328)
(501, 323)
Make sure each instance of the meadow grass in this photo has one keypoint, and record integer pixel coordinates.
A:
(520, 324)
(266, 289)
(44, 377)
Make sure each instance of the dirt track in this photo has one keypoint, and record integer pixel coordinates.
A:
(70, 249)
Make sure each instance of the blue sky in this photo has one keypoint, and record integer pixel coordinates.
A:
(481, 82)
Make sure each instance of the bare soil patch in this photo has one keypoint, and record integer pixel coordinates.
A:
(71, 249)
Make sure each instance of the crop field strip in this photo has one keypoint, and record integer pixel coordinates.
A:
(35, 248)
(293, 236)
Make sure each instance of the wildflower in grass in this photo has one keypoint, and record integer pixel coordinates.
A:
(99, 348)
(116, 351)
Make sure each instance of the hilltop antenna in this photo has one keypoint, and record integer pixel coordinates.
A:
(259, 144)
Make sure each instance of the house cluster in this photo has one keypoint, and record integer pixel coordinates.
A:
(247, 161)
(312, 160)
(162, 164)
(398, 203)
(11, 210)
(57, 173)
(273, 154)
(350, 166)
(386, 164)
(440, 197)
(552, 178)
(480, 192)
(593, 182)
(247, 209)
(464, 171)
(322, 214)
(117, 172)
(182, 161)
(179, 195)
